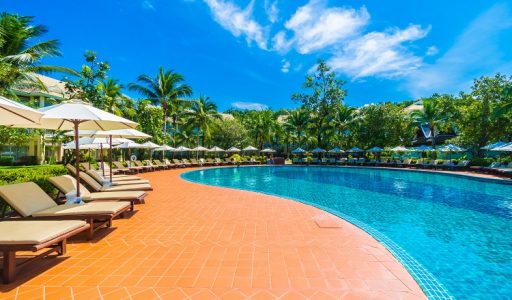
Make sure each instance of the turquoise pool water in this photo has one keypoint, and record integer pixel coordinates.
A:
(458, 229)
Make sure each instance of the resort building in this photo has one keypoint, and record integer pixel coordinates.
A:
(424, 135)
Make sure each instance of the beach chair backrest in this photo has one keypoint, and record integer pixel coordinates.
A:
(66, 184)
(71, 169)
(495, 164)
(96, 186)
(176, 161)
(217, 160)
(26, 198)
(96, 176)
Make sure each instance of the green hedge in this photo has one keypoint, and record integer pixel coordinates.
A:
(37, 174)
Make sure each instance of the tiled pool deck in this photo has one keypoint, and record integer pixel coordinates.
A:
(192, 241)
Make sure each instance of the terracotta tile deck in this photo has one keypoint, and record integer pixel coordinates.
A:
(191, 241)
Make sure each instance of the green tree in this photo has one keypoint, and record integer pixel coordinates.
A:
(167, 90)
(150, 120)
(229, 132)
(21, 52)
(298, 121)
(262, 126)
(85, 87)
(114, 100)
(433, 115)
(342, 117)
(326, 93)
(201, 115)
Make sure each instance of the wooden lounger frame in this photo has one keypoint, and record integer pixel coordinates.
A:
(57, 244)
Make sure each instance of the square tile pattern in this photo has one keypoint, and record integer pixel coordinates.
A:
(192, 241)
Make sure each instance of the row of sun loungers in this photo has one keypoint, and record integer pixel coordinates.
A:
(41, 222)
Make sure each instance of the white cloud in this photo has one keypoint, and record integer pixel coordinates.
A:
(379, 54)
(476, 52)
(249, 106)
(147, 5)
(316, 26)
(432, 50)
(271, 10)
(285, 68)
(238, 21)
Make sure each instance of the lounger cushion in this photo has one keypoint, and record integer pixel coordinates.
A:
(128, 187)
(67, 183)
(128, 195)
(100, 178)
(26, 198)
(34, 232)
(93, 208)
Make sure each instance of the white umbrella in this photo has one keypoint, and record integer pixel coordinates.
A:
(216, 149)
(164, 148)
(250, 148)
(506, 147)
(151, 145)
(200, 148)
(399, 149)
(268, 150)
(336, 150)
(131, 145)
(182, 149)
(318, 150)
(355, 149)
(127, 133)
(233, 149)
(75, 115)
(298, 151)
(14, 113)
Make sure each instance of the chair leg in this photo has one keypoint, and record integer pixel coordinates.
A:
(90, 231)
(9, 266)
(62, 247)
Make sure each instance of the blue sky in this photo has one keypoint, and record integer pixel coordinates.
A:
(250, 54)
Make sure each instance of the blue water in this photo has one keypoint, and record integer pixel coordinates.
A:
(459, 229)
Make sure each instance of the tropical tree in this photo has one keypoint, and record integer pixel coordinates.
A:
(167, 90)
(114, 100)
(229, 132)
(341, 119)
(326, 93)
(85, 87)
(298, 121)
(201, 114)
(150, 120)
(262, 126)
(432, 115)
(21, 55)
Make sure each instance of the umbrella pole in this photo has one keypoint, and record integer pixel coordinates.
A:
(101, 157)
(110, 157)
(77, 158)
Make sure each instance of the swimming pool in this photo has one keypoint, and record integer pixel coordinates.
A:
(458, 229)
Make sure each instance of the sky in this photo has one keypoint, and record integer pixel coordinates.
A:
(255, 53)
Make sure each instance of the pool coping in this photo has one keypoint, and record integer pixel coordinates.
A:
(432, 288)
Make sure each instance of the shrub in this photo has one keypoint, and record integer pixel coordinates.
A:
(235, 158)
(481, 161)
(37, 174)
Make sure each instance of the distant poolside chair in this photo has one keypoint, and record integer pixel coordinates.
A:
(462, 165)
(332, 161)
(178, 163)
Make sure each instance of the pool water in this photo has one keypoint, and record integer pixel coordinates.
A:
(459, 229)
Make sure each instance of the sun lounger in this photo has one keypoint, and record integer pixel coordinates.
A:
(211, 162)
(31, 202)
(462, 165)
(178, 163)
(98, 187)
(121, 168)
(115, 178)
(161, 164)
(34, 236)
(85, 166)
(194, 162)
(186, 162)
(102, 180)
(139, 164)
(66, 184)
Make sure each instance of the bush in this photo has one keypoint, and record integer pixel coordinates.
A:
(6, 160)
(481, 161)
(37, 174)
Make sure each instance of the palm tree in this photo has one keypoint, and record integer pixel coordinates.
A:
(298, 120)
(20, 57)
(114, 100)
(432, 115)
(166, 89)
(201, 114)
(342, 117)
(263, 126)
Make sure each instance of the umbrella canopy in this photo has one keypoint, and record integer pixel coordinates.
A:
(268, 150)
(121, 133)
(151, 145)
(298, 151)
(71, 146)
(318, 150)
(75, 115)
(131, 145)
(14, 113)
(95, 141)
(336, 150)
(507, 147)
(423, 148)
(200, 148)
(451, 148)
(375, 149)
(250, 148)
(399, 149)
(233, 149)
(494, 145)
(355, 149)
(165, 148)
(216, 149)
(182, 149)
